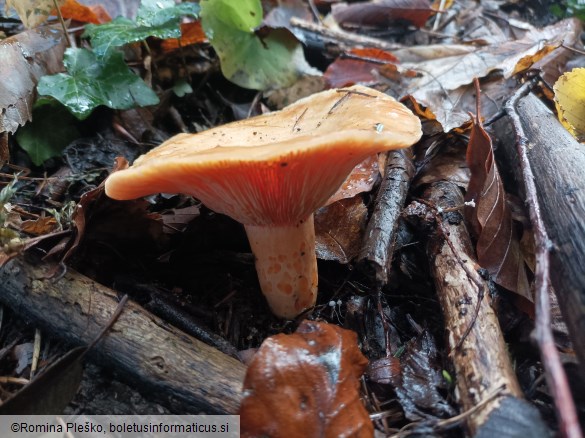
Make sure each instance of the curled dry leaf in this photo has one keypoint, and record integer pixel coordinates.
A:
(498, 244)
(306, 385)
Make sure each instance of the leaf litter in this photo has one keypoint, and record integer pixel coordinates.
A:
(421, 387)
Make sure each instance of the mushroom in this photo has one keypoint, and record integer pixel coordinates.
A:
(271, 172)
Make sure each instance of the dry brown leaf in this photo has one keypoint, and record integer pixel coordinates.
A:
(362, 67)
(32, 13)
(306, 385)
(40, 226)
(20, 75)
(498, 248)
(444, 82)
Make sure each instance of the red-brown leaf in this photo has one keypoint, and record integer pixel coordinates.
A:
(306, 385)
(344, 72)
(383, 12)
(498, 247)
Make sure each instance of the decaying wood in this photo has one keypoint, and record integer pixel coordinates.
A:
(379, 238)
(476, 344)
(558, 163)
(548, 158)
(170, 366)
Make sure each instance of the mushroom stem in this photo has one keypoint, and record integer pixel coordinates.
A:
(286, 265)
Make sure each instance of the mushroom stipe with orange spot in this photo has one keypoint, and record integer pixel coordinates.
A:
(271, 172)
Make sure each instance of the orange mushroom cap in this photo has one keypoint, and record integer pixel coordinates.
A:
(272, 172)
(276, 168)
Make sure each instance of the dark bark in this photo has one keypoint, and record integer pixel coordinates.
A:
(558, 163)
(170, 366)
(377, 249)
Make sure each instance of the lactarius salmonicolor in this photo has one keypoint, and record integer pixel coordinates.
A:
(272, 172)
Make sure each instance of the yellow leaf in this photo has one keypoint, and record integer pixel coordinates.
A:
(32, 13)
(570, 101)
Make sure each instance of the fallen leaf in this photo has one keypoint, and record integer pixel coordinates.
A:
(362, 66)
(498, 244)
(71, 9)
(32, 13)
(178, 218)
(306, 385)
(339, 228)
(569, 96)
(443, 83)
(361, 179)
(41, 226)
(51, 391)
(20, 75)
(191, 33)
(382, 12)
(416, 379)
(280, 15)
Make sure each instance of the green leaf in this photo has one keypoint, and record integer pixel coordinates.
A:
(91, 81)
(261, 58)
(51, 130)
(158, 18)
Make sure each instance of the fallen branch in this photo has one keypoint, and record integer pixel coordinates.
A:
(477, 347)
(556, 205)
(172, 367)
(377, 249)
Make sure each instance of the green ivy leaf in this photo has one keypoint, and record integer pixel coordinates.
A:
(158, 18)
(253, 58)
(91, 81)
(51, 130)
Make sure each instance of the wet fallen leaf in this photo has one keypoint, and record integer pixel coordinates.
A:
(361, 179)
(362, 66)
(339, 228)
(191, 33)
(20, 76)
(96, 14)
(498, 244)
(382, 12)
(306, 385)
(569, 96)
(416, 379)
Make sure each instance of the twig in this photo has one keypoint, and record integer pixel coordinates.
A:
(62, 23)
(555, 374)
